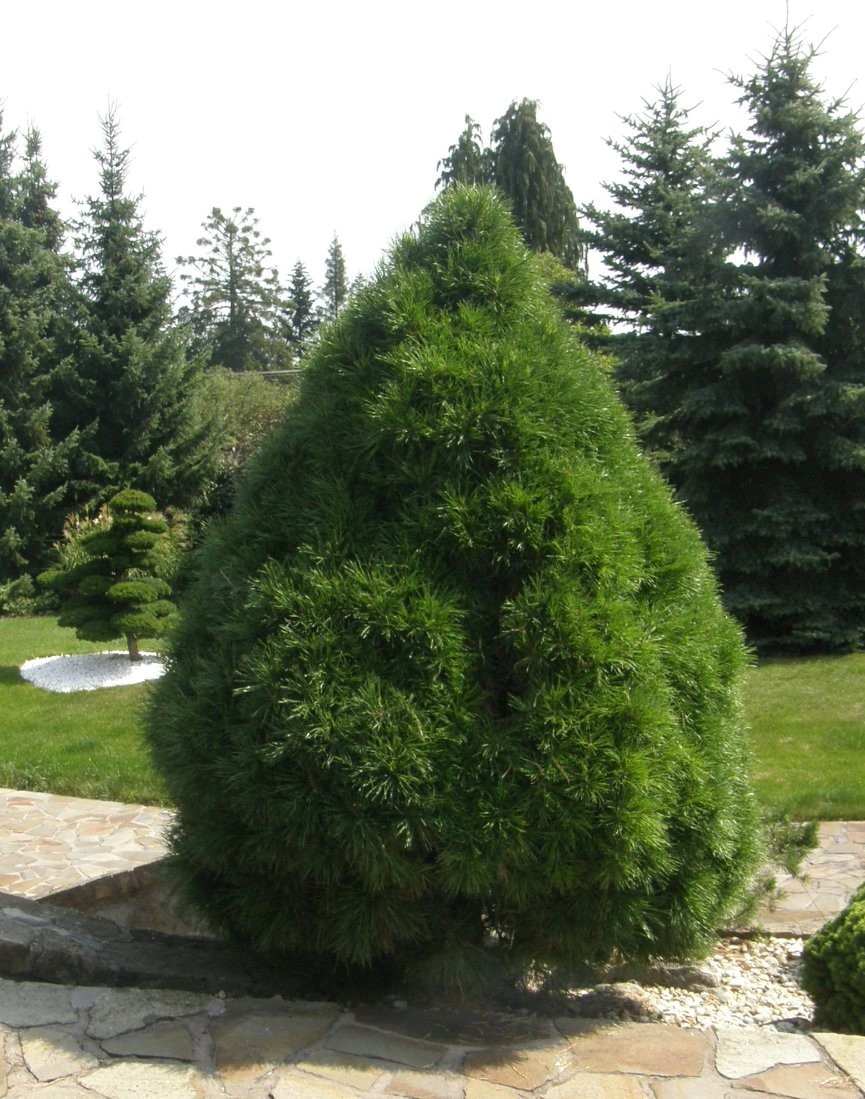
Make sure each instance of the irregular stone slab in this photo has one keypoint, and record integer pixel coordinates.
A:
(693, 1089)
(144, 1080)
(122, 1009)
(598, 1085)
(385, 1047)
(245, 1046)
(480, 1089)
(290, 1086)
(23, 1005)
(62, 1089)
(344, 1068)
(422, 1085)
(814, 1081)
(51, 1053)
(847, 1051)
(456, 1027)
(517, 1068)
(744, 1051)
(650, 1049)
(170, 1039)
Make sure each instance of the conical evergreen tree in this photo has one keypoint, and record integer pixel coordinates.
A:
(456, 664)
(525, 169)
(40, 470)
(664, 261)
(131, 383)
(335, 290)
(773, 465)
(300, 319)
(468, 162)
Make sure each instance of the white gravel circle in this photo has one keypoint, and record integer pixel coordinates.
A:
(90, 671)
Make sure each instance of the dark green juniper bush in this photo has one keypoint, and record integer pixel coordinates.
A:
(454, 671)
(116, 591)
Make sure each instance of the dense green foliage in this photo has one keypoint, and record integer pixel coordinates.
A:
(833, 969)
(235, 297)
(129, 386)
(41, 476)
(744, 281)
(521, 162)
(117, 589)
(456, 665)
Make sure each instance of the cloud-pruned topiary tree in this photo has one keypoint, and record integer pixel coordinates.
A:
(115, 591)
(454, 670)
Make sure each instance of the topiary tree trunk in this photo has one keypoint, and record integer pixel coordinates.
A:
(116, 592)
(455, 670)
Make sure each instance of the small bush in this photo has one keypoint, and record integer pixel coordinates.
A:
(454, 671)
(833, 971)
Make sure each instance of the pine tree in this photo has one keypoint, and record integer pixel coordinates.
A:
(468, 161)
(235, 294)
(455, 668)
(40, 464)
(664, 261)
(525, 169)
(773, 461)
(131, 385)
(300, 317)
(335, 290)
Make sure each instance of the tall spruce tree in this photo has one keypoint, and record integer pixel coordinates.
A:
(664, 266)
(131, 385)
(299, 315)
(773, 459)
(42, 476)
(453, 685)
(335, 290)
(236, 302)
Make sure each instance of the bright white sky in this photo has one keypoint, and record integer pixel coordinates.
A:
(330, 117)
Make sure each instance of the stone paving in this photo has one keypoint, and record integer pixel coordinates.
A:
(127, 1043)
(49, 844)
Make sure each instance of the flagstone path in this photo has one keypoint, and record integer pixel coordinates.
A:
(63, 1041)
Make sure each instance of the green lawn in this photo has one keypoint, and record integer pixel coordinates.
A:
(808, 721)
(807, 717)
(88, 743)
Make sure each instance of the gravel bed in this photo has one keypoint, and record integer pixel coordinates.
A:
(90, 671)
(746, 982)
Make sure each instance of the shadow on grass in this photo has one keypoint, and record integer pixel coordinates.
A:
(10, 675)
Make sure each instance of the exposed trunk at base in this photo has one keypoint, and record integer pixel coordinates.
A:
(132, 645)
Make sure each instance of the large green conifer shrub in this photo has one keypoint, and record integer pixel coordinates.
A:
(455, 667)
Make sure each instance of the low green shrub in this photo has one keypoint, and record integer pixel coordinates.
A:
(833, 971)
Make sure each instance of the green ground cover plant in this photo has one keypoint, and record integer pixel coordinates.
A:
(807, 717)
(87, 744)
(456, 666)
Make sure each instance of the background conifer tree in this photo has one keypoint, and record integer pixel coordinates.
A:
(456, 663)
(236, 300)
(130, 384)
(773, 461)
(468, 162)
(300, 321)
(42, 476)
(663, 267)
(334, 292)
